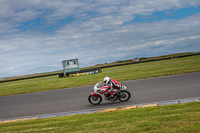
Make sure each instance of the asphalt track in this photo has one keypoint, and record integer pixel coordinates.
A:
(76, 99)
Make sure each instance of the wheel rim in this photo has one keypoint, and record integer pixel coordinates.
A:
(95, 99)
(124, 96)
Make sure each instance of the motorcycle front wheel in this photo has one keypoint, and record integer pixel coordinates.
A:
(124, 96)
(94, 99)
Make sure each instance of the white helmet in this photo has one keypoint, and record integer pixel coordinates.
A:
(106, 80)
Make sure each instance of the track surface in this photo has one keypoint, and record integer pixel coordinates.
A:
(76, 99)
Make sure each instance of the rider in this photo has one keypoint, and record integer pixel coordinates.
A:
(113, 84)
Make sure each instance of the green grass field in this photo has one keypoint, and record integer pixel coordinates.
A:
(105, 64)
(120, 73)
(177, 118)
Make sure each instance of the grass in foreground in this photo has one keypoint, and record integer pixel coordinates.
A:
(120, 73)
(178, 118)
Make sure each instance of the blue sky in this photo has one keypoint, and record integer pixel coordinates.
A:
(171, 14)
(36, 36)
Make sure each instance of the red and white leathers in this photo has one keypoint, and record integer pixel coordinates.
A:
(112, 86)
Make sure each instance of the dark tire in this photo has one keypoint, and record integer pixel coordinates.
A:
(94, 99)
(124, 96)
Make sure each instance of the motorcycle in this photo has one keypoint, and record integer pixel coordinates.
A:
(99, 89)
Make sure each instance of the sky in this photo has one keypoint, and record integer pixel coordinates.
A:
(37, 35)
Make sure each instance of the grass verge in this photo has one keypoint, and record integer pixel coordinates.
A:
(120, 73)
(179, 118)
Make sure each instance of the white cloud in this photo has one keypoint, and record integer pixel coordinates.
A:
(97, 33)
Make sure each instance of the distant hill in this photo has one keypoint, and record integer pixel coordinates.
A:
(5, 75)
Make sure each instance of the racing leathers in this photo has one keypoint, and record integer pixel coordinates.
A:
(113, 86)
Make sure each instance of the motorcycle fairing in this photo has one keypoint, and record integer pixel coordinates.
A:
(95, 94)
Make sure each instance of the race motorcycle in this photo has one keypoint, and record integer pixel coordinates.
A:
(99, 89)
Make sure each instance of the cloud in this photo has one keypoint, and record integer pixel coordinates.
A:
(39, 33)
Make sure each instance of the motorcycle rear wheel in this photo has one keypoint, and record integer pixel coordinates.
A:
(125, 96)
(94, 99)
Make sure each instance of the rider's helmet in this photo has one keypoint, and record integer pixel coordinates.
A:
(106, 80)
